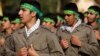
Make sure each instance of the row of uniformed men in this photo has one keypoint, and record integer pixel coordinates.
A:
(73, 38)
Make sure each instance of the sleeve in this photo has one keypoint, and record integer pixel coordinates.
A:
(54, 46)
(58, 33)
(10, 47)
(91, 47)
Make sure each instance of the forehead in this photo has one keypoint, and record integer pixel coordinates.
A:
(24, 9)
(91, 13)
(69, 15)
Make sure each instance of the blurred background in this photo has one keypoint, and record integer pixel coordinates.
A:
(53, 6)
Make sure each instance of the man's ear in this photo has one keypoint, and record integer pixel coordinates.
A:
(33, 14)
(97, 16)
(75, 16)
(53, 24)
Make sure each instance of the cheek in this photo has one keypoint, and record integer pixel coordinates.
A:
(48, 24)
(66, 18)
(6, 25)
(43, 23)
(16, 26)
(70, 21)
(25, 19)
(12, 26)
(25, 15)
(91, 16)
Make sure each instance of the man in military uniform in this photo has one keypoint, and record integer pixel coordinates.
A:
(80, 38)
(16, 24)
(33, 40)
(92, 17)
(49, 22)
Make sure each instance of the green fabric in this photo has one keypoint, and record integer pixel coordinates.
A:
(5, 18)
(17, 20)
(32, 8)
(85, 14)
(69, 12)
(0, 22)
(93, 11)
(59, 18)
(46, 19)
(98, 20)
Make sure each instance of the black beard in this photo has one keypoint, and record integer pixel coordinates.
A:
(89, 23)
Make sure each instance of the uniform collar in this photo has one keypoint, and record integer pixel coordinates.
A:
(33, 28)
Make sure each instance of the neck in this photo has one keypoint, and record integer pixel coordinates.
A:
(9, 31)
(74, 23)
(31, 23)
(53, 29)
(94, 24)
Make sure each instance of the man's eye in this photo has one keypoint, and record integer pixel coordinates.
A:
(45, 21)
(23, 9)
(13, 23)
(68, 15)
(90, 13)
(5, 20)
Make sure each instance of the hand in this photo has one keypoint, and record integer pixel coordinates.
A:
(85, 20)
(22, 52)
(31, 51)
(2, 41)
(97, 33)
(75, 40)
(64, 43)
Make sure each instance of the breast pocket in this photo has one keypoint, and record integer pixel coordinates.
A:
(43, 46)
(82, 36)
(40, 46)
